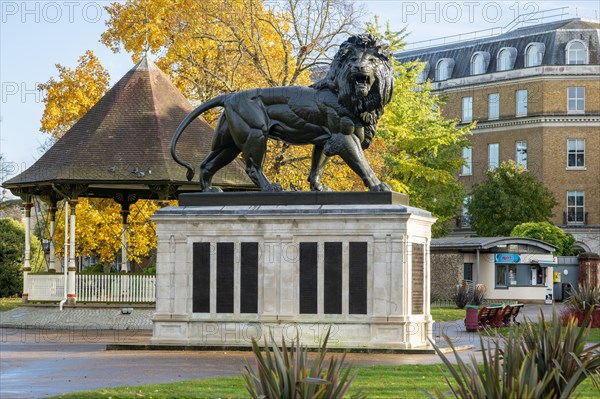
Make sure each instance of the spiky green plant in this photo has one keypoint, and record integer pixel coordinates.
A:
(287, 373)
(583, 298)
(535, 360)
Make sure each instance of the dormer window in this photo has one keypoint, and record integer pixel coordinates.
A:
(479, 63)
(534, 54)
(577, 53)
(443, 70)
(506, 59)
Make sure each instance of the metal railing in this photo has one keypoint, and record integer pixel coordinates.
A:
(127, 288)
(535, 17)
(118, 288)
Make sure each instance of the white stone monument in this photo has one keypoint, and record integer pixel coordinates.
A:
(232, 266)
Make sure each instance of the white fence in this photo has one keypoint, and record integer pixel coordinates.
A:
(115, 288)
(45, 287)
(125, 288)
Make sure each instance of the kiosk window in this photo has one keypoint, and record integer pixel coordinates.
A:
(510, 274)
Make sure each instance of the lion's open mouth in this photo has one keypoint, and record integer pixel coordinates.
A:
(363, 84)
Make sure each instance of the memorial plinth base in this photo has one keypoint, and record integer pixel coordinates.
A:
(230, 269)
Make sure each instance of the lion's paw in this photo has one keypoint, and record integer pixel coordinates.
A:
(213, 189)
(380, 187)
(273, 187)
(319, 187)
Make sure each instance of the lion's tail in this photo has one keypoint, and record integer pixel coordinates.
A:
(215, 102)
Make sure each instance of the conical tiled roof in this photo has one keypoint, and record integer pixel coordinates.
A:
(125, 140)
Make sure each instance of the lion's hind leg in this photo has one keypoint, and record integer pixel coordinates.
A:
(248, 128)
(254, 150)
(224, 151)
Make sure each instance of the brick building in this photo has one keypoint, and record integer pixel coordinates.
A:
(535, 94)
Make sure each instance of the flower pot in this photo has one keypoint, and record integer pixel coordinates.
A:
(472, 318)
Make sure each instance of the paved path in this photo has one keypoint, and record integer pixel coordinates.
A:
(78, 318)
(46, 352)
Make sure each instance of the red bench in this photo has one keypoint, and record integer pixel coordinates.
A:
(509, 315)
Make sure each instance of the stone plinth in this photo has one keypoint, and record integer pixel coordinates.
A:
(230, 269)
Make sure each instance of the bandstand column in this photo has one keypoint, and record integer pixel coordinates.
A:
(124, 254)
(52, 252)
(27, 263)
(72, 268)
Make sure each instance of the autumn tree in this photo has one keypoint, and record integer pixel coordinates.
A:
(72, 94)
(98, 229)
(215, 46)
(507, 197)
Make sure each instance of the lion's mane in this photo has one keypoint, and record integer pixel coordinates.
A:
(370, 108)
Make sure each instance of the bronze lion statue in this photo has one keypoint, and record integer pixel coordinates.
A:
(337, 115)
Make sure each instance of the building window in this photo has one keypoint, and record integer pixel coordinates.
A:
(467, 154)
(504, 60)
(575, 206)
(521, 154)
(468, 271)
(521, 102)
(576, 153)
(494, 106)
(465, 216)
(478, 64)
(512, 274)
(534, 53)
(502, 275)
(442, 71)
(576, 53)
(467, 109)
(493, 155)
(576, 99)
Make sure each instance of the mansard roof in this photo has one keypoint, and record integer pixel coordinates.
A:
(554, 35)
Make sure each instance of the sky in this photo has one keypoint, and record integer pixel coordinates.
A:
(35, 35)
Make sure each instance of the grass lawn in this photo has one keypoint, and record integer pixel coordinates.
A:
(378, 382)
(447, 313)
(9, 303)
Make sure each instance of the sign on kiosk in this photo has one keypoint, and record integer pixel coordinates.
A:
(507, 258)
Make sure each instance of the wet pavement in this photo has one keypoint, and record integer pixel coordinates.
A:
(43, 353)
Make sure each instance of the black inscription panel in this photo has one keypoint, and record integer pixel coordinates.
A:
(333, 278)
(418, 265)
(225, 277)
(357, 279)
(201, 277)
(308, 277)
(249, 278)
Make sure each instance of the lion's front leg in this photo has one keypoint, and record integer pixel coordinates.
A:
(319, 159)
(349, 149)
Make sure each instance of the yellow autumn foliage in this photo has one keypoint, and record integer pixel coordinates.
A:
(72, 94)
(99, 225)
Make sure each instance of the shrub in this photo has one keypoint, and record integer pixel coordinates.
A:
(535, 360)
(583, 300)
(549, 233)
(469, 294)
(12, 255)
(286, 373)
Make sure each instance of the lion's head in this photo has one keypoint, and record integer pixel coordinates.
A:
(362, 75)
